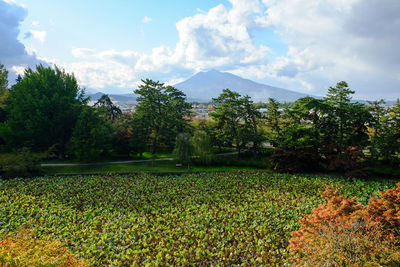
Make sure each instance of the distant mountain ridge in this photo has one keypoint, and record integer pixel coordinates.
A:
(206, 85)
(116, 97)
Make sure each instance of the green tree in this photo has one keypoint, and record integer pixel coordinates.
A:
(273, 121)
(140, 135)
(236, 120)
(376, 125)
(202, 148)
(293, 132)
(43, 109)
(163, 110)
(251, 118)
(91, 136)
(3, 84)
(4, 94)
(338, 98)
(387, 140)
(112, 111)
(183, 148)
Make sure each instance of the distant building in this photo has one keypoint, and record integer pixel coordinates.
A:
(201, 111)
(263, 111)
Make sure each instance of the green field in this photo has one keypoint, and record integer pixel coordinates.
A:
(151, 167)
(230, 218)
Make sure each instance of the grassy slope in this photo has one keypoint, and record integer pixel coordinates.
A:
(236, 217)
(223, 163)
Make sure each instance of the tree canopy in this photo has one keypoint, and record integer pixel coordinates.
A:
(162, 110)
(43, 108)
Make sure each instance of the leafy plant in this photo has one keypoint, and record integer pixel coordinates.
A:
(21, 163)
(223, 218)
(24, 249)
(345, 232)
(202, 149)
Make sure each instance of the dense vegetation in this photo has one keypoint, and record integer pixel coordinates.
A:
(46, 112)
(347, 233)
(229, 218)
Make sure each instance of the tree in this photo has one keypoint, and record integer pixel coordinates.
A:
(183, 148)
(3, 84)
(43, 108)
(140, 135)
(273, 121)
(294, 134)
(112, 110)
(4, 93)
(252, 116)
(377, 126)
(162, 110)
(91, 136)
(202, 148)
(235, 117)
(387, 140)
(338, 98)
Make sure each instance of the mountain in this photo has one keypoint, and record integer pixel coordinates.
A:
(116, 97)
(206, 85)
(203, 86)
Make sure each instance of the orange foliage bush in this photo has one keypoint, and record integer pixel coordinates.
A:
(344, 232)
(23, 249)
(386, 210)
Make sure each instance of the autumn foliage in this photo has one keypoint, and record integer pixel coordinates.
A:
(343, 232)
(23, 249)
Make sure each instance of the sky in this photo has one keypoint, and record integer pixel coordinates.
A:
(301, 45)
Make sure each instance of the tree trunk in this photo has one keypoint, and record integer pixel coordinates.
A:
(154, 148)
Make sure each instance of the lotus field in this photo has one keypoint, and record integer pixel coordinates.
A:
(228, 218)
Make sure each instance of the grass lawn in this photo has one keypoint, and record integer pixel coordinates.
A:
(153, 167)
(146, 155)
(237, 217)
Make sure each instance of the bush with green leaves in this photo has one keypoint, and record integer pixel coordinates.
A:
(202, 148)
(91, 136)
(183, 148)
(229, 218)
(42, 109)
(20, 163)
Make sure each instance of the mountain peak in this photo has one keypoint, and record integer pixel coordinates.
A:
(209, 84)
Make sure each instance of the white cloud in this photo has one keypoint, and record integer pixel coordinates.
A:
(83, 52)
(335, 40)
(19, 70)
(13, 53)
(102, 75)
(35, 23)
(326, 40)
(39, 35)
(219, 38)
(146, 19)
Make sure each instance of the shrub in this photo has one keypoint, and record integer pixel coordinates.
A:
(23, 249)
(288, 160)
(351, 162)
(183, 148)
(386, 210)
(344, 232)
(91, 137)
(202, 148)
(22, 163)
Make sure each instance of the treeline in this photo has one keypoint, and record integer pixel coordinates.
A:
(46, 112)
(333, 133)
